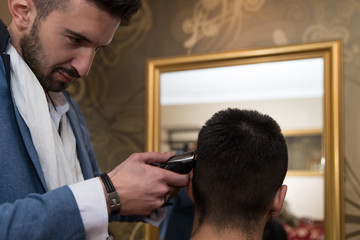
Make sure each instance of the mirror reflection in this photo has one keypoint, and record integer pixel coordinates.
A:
(289, 91)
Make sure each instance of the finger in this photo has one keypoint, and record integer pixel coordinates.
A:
(175, 179)
(151, 157)
(168, 153)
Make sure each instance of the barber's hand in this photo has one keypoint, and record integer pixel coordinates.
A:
(142, 187)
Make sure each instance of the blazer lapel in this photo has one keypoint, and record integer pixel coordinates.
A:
(81, 149)
(25, 132)
(83, 156)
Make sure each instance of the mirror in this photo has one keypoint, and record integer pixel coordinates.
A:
(299, 86)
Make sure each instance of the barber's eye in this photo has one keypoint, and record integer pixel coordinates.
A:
(75, 40)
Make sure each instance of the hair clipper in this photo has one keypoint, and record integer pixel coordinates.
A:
(180, 163)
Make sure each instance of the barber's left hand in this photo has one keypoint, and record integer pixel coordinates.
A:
(142, 188)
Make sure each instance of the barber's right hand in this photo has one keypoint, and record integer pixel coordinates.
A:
(141, 186)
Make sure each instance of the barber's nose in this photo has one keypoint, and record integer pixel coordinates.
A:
(82, 62)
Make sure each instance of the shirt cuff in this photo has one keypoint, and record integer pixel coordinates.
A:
(90, 198)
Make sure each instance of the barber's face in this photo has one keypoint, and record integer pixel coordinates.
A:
(60, 48)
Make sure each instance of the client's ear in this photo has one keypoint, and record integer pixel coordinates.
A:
(278, 201)
(189, 188)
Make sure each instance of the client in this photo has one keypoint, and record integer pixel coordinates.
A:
(237, 181)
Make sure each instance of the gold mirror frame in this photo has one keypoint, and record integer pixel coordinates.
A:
(332, 102)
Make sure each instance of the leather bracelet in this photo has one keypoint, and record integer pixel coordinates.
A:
(112, 195)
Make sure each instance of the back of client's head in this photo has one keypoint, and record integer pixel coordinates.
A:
(241, 164)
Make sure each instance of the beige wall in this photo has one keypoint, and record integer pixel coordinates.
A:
(195, 115)
(112, 97)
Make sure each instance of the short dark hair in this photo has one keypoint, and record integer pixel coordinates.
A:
(122, 9)
(241, 162)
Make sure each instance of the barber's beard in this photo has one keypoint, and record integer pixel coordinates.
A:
(34, 55)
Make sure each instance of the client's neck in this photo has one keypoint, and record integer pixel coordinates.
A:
(208, 232)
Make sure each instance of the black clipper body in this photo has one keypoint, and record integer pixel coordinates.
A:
(180, 163)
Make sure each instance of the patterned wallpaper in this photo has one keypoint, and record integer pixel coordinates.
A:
(112, 96)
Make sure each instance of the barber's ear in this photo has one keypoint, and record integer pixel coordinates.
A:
(189, 188)
(278, 201)
(23, 12)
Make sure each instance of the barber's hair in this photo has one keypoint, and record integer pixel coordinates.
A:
(122, 9)
(241, 162)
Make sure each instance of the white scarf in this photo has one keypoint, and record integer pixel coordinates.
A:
(57, 154)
